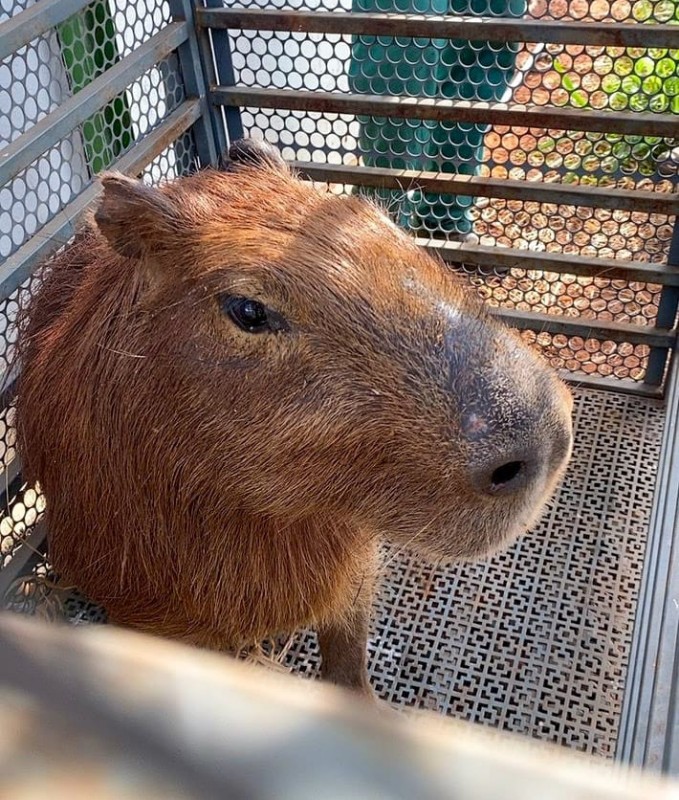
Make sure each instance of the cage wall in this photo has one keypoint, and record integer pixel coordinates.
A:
(541, 159)
(563, 172)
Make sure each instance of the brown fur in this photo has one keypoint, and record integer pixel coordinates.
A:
(220, 486)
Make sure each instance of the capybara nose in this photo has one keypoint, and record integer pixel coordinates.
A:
(507, 474)
(500, 466)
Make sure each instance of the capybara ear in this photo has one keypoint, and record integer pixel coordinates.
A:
(133, 217)
(253, 153)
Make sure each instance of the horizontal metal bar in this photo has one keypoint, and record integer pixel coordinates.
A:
(74, 111)
(487, 29)
(587, 328)
(560, 263)
(39, 18)
(611, 384)
(426, 108)
(476, 186)
(19, 266)
(25, 552)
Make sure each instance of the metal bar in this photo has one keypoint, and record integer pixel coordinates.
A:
(51, 129)
(217, 116)
(8, 387)
(194, 83)
(667, 313)
(588, 329)
(426, 108)
(487, 29)
(617, 385)
(152, 145)
(560, 263)
(648, 729)
(57, 232)
(8, 475)
(476, 186)
(216, 49)
(164, 719)
(36, 20)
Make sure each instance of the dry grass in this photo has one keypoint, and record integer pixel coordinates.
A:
(48, 600)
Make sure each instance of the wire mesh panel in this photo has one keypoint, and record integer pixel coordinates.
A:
(41, 76)
(590, 109)
(101, 86)
(33, 82)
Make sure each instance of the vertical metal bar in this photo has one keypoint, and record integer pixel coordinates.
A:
(667, 312)
(216, 49)
(195, 84)
(649, 724)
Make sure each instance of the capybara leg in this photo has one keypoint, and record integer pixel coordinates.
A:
(344, 657)
(344, 650)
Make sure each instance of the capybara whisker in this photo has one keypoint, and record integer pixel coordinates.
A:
(121, 352)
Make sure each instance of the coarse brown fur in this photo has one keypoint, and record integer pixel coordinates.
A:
(220, 486)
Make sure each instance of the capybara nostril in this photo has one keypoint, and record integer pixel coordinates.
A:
(506, 476)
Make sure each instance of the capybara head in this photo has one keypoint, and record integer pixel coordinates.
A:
(296, 353)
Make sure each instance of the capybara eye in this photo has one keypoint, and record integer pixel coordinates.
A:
(251, 315)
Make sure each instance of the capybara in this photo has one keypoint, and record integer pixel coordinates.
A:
(235, 386)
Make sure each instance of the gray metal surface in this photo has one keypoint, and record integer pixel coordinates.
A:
(150, 719)
(218, 65)
(537, 639)
(195, 82)
(649, 735)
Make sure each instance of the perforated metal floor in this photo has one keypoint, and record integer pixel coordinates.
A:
(537, 639)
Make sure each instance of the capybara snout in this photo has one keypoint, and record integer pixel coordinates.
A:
(513, 423)
(235, 386)
(475, 430)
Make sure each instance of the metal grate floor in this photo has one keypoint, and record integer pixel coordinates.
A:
(537, 639)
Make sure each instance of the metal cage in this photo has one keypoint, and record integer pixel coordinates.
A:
(534, 146)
